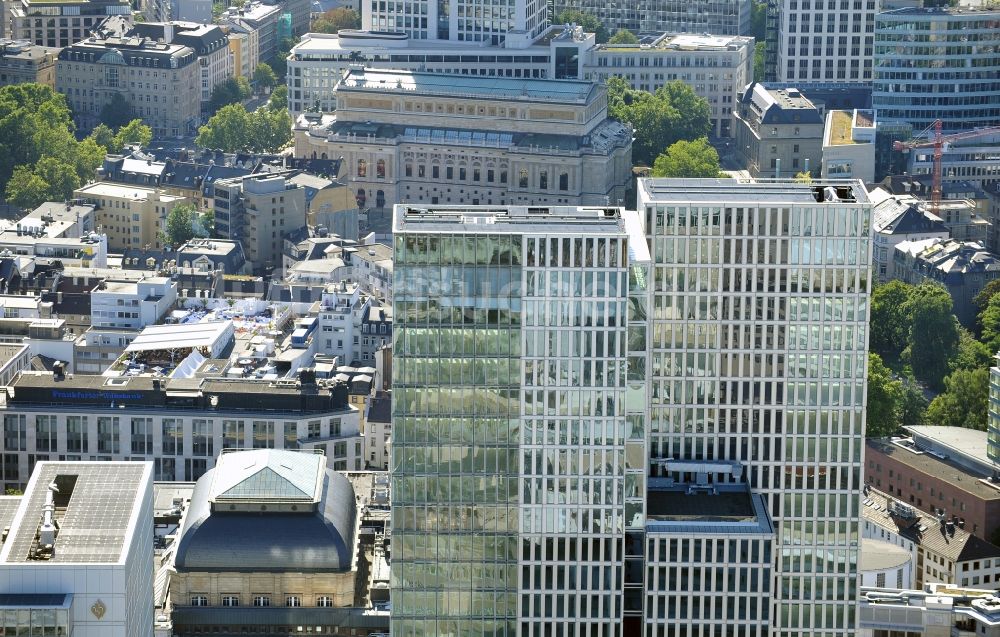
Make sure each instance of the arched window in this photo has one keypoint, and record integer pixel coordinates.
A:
(380, 169)
(362, 168)
(380, 199)
(361, 197)
(522, 178)
(563, 181)
(323, 156)
(408, 169)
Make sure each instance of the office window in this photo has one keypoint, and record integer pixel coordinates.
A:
(45, 433)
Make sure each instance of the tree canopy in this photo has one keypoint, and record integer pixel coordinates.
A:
(180, 224)
(334, 20)
(50, 179)
(688, 159)
(233, 91)
(885, 395)
(264, 76)
(933, 336)
(234, 129)
(623, 36)
(890, 319)
(674, 112)
(278, 99)
(117, 112)
(589, 22)
(35, 125)
(964, 401)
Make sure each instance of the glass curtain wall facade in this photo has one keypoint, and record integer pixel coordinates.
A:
(508, 460)
(759, 343)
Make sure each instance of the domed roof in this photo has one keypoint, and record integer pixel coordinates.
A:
(319, 538)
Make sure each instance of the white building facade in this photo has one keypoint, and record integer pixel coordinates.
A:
(744, 371)
(520, 315)
(110, 419)
(96, 580)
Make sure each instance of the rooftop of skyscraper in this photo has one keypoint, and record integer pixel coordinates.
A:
(505, 219)
(787, 191)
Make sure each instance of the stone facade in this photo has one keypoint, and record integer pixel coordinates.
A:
(535, 147)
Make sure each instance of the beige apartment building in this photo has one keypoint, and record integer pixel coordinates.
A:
(438, 139)
(132, 216)
(258, 211)
(161, 82)
(21, 61)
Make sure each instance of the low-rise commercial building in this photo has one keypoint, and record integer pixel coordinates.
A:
(131, 304)
(942, 551)
(78, 556)
(22, 61)
(939, 469)
(61, 23)
(161, 82)
(131, 216)
(258, 211)
(896, 219)
(464, 140)
(779, 132)
(963, 267)
(849, 145)
(181, 424)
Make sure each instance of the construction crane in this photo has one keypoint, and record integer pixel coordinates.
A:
(923, 139)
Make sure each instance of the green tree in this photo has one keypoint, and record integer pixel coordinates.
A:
(623, 36)
(135, 132)
(207, 221)
(759, 49)
(270, 131)
(233, 91)
(971, 353)
(963, 403)
(933, 335)
(117, 112)
(589, 22)
(885, 394)
(104, 136)
(688, 159)
(334, 20)
(88, 157)
(674, 112)
(988, 292)
(278, 99)
(758, 21)
(912, 405)
(989, 320)
(180, 224)
(234, 129)
(263, 76)
(228, 130)
(34, 122)
(890, 319)
(50, 179)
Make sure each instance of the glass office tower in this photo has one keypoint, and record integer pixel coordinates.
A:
(510, 417)
(759, 346)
